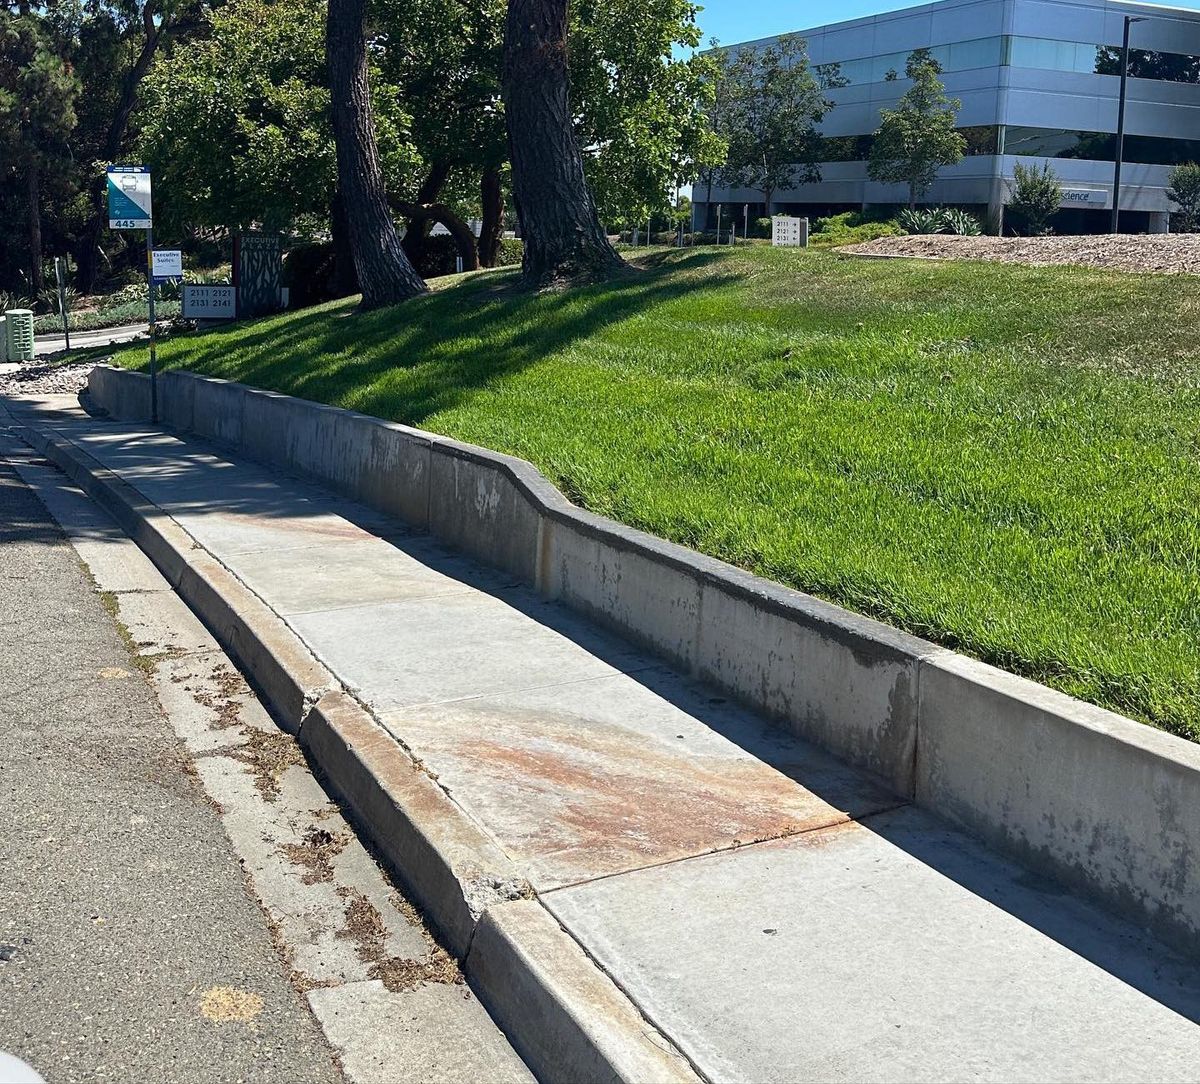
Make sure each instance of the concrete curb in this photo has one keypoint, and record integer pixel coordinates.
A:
(523, 964)
(1045, 778)
(456, 873)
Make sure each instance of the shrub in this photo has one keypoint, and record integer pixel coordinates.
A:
(1036, 196)
(960, 222)
(761, 228)
(308, 273)
(1183, 189)
(49, 298)
(922, 221)
(512, 249)
(130, 312)
(849, 228)
(134, 293)
(13, 301)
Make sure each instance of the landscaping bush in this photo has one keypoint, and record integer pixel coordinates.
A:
(761, 228)
(512, 250)
(1183, 189)
(921, 221)
(13, 301)
(960, 222)
(116, 315)
(308, 273)
(849, 228)
(1036, 197)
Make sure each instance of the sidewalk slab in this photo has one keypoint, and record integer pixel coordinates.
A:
(429, 650)
(589, 778)
(892, 950)
(775, 913)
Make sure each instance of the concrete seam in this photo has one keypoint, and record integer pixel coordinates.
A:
(631, 999)
(732, 847)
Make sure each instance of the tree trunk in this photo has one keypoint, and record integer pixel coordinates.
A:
(491, 196)
(564, 240)
(384, 272)
(912, 197)
(34, 195)
(344, 281)
(464, 239)
(417, 228)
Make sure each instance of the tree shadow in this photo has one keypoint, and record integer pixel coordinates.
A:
(413, 360)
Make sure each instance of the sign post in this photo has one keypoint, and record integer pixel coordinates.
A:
(129, 208)
(61, 279)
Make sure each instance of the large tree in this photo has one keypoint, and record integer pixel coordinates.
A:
(385, 274)
(113, 45)
(564, 240)
(918, 137)
(37, 113)
(640, 109)
(774, 104)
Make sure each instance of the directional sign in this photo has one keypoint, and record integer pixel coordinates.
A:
(166, 263)
(129, 198)
(209, 303)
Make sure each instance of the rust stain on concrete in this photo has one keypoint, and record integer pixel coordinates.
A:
(575, 799)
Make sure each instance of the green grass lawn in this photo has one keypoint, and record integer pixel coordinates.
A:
(1003, 459)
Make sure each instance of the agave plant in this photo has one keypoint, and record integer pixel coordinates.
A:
(923, 221)
(13, 301)
(957, 221)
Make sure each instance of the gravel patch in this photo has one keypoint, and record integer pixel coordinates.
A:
(1177, 254)
(37, 378)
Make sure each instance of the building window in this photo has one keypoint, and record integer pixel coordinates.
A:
(981, 139)
(1077, 56)
(960, 56)
(1098, 146)
(1045, 54)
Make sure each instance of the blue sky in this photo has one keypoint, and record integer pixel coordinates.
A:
(743, 20)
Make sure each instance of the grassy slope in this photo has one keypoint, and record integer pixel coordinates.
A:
(1001, 458)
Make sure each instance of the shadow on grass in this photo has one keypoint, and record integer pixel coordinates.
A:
(413, 360)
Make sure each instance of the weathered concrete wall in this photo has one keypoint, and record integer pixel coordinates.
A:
(1097, 801)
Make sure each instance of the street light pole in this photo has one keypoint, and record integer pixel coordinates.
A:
(1116, 207)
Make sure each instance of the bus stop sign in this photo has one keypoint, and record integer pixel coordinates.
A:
(129, 198)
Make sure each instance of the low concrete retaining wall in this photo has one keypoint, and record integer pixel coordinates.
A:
(1095, 800)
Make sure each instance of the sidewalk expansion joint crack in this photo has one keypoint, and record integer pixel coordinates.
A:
(787, 833)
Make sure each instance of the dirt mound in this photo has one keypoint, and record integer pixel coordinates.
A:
(1177, 254)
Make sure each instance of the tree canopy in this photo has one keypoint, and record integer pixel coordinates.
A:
(918, 137)
(38, 92)
(772, 104)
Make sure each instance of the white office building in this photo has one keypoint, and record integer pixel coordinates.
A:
(1039, 82)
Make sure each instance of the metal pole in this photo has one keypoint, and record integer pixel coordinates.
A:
(1116, 207)
(62, 298)
(153, 353)
(718, 223)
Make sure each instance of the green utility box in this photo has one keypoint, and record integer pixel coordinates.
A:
(19, 327)
(3, 340)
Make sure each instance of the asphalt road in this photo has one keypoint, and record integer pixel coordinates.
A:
(130, 947)
(52, 344)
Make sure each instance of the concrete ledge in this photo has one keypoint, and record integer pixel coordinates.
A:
(1105, 805)
(453, 870)
(575, 1024)
(933, 725)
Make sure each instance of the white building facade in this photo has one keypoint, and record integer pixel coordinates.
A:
(1039, 82)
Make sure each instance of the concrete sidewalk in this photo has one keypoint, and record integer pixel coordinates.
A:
(776, 914)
